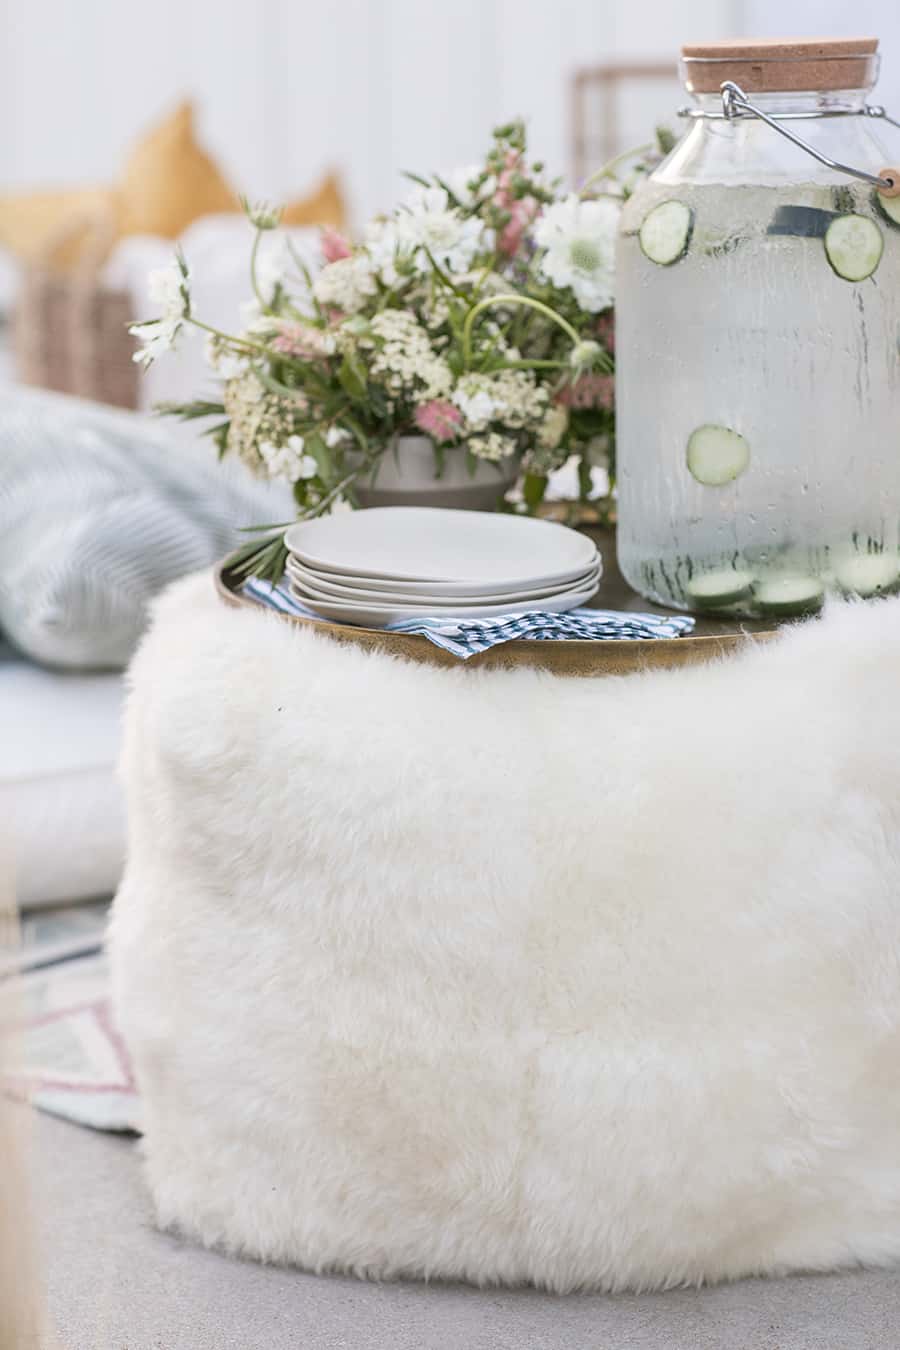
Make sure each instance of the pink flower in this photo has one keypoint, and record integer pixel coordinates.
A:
(589, 391)
(523, 213)
(334, 245)
(301, 341)
(521, 209)
(438, 419)
(606, 330)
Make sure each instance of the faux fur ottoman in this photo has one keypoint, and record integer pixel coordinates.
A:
(504, 977)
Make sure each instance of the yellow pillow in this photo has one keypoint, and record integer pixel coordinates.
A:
(53, 226)
(169, 180)
(167, 183)
(325, 206)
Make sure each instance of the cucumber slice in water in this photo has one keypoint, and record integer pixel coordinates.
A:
(718, 590)
(666, 232)
(786, 596)
(717, 455)
(869, 574)
(853, 246)
(889, 208)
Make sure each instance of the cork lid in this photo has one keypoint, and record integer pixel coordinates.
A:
(762, 65)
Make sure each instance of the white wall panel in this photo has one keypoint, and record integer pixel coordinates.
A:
(288, 87)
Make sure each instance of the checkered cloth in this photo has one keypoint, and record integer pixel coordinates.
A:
(466, 637)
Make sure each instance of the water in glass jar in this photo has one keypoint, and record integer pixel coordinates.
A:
(758, 395)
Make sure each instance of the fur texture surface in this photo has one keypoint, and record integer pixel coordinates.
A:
(503, 977)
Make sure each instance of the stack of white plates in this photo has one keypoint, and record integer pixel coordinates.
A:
(392, 563)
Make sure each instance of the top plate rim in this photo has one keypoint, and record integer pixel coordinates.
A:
(379, 553)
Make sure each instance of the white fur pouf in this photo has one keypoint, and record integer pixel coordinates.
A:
(505, 977)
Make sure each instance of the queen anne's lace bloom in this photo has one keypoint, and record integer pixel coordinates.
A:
(405, 356)
(579, 238)
(346, 284)
(256, 415)
(553, 427)
(512, 397)
(493, 446)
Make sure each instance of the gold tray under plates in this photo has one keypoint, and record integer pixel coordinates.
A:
(711, 638)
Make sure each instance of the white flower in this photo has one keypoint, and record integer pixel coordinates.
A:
(493, 447)
(579, 238)
(427, 223)
(405, 359)
(553, 427)
(473, 398)
(512, 397)
(288, 460)
(346, 284)
(382, 245)
(584, 356)
(273, 266)
(168, 288)
(336, 436)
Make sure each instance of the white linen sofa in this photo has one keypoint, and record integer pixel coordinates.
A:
(60, 803)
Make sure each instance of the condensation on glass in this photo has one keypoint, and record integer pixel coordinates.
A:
(758, 340)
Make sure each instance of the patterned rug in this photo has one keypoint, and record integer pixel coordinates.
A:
(71, 1059)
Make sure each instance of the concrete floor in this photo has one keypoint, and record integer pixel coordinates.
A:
(113, 1283)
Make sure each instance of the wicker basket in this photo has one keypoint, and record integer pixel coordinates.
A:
(70, 331)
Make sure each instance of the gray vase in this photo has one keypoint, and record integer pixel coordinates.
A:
(407, 475)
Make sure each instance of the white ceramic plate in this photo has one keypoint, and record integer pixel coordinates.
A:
(379, 616)
(350, 595)
(373, 590)
(486, 552)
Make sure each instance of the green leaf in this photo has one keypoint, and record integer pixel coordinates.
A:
(188, 412)
(353, 426)
(534, 485)
(442, 183)
(314, 445)
(585, 482)
(352, 376)
(219, 437)
(262, 558)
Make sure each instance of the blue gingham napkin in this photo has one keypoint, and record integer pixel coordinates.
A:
(466, 637)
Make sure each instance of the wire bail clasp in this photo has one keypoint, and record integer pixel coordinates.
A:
(735, 103)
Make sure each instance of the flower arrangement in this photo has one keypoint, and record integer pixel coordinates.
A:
(478, 313)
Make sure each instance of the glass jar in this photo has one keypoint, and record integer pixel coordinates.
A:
(758, 323)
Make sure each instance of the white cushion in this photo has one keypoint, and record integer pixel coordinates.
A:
(217, 250)
(60, 803)
(99, 511)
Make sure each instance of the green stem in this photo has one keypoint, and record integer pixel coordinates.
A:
(247, 343)
(528, 302)
(263, 304)
(445, 278)
(608, 169)
(332, 496)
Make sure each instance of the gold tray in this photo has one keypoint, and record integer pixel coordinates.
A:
(711, 639)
